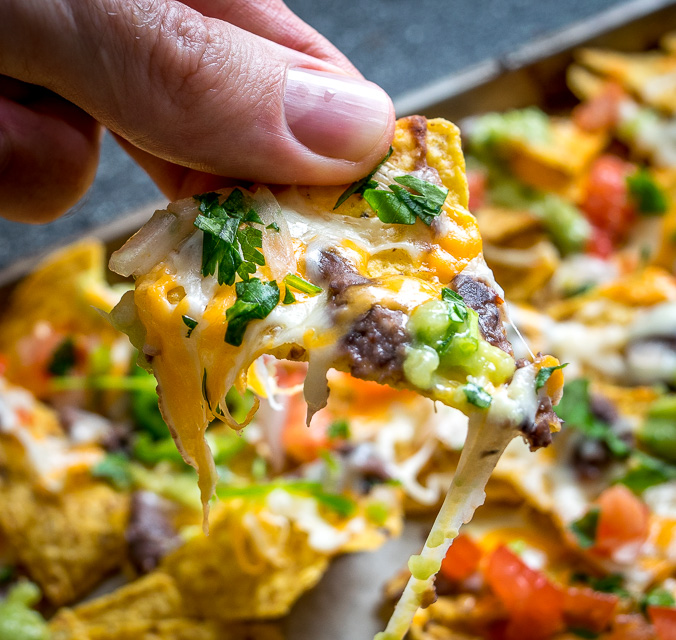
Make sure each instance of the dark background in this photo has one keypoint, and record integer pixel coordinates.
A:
(402, 45)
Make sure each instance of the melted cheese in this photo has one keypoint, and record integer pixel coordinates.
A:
(407, 265)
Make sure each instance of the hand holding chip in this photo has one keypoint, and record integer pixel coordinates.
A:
(193, 91)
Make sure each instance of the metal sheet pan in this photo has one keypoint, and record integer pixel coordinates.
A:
(346, 603)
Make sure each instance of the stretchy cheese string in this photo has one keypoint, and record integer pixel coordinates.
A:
(466, 493)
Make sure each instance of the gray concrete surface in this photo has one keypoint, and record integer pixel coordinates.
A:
(400, 44)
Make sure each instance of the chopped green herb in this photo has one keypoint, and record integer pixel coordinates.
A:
(274, 226)
(115, 469)
(302, 285)
(457, 309)
(151, 451)
(205, 392)
(584, 529)
(6, 573)
(612, 583)
(575, 410)
(477, 395)
(545, 373)
(657, 597)
(63, 359)
(400, 206)
(583, 633)
(229, 249)
(647, 195)
(190, 323)
(494, 129)
(289, 298)
(361, 185)
(339, 429)
(389, 207)
(644, 472)
(255, 301)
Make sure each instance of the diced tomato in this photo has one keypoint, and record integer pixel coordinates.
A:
(664, 619)
(623, 521)
(476, 182)
(630, 627)
(462, 559)
(304, 443)
(606, 203)
(588, 609)
(534, 604)
(601, 112)
(599, 244)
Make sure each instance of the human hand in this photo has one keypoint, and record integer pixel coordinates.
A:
(193, 91)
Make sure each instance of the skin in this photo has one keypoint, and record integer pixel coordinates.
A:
(193, 92)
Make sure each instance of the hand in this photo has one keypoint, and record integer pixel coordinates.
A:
(193, 91)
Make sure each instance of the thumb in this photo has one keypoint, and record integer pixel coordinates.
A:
(198, 91)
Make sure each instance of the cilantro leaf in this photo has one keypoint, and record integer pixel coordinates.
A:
(545, 373)
(229, 249)
(255, 301)
(400, 206)
(302, 285)
(338, 429)
(63, 359)
(656, 597)
(289, 298)
(585, 527)
(644, 472)
(361, 185)
(575, 409)
(457, 309)
(273, 226)
(115, 469)
(612, 583)
(189, 322)
(388, 207)
(649, 198)
(477, 395)
(433, 195)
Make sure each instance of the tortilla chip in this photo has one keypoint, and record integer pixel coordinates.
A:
(148, 609)
(647, 75)
(68, 542)
(226, 576)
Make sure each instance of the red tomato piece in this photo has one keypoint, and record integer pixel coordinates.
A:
(664, 619)
(606, 203)
(623, 521)
(533, 603)
(304, 443)
(462, 559)
(601, 112)
(476, 182)
(583, 607)
(599, 244)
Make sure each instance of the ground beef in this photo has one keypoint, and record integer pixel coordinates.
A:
(337, 274)
(375, 346)
(480, 297)
(538, 433)
(150, 534)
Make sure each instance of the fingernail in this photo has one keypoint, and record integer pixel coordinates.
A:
(335, 115)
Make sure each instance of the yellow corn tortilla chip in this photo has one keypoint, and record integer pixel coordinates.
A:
(650, 75)
(68, 542)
